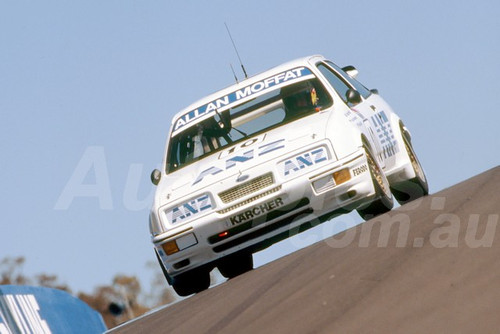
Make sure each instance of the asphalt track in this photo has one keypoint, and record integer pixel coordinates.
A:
(431, 266)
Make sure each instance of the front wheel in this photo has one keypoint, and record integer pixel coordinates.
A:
(384, 201)
(193, 281)
(235, 264)
(414, 188)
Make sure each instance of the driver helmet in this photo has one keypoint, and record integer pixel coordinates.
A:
(300, 97)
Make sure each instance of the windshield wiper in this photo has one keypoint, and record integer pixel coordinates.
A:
(224, 122)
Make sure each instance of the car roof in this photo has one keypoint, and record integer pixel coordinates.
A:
(304, 61)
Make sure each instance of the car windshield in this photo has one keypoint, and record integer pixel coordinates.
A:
(227, 127)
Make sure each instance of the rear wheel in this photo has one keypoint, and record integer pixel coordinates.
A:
(193, 281)
(235, 264)
(384, 201)
(416, 187)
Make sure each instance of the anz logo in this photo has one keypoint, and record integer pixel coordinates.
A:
(241, 158)
(187, 210)
(304, 161)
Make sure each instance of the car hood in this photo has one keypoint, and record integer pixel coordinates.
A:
(244, 160)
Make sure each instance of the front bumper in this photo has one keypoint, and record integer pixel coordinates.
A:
(273, 214)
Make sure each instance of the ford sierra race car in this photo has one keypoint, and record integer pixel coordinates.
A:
(269, 157)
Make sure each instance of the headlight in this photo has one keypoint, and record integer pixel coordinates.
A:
(176, 245)
(188, 210)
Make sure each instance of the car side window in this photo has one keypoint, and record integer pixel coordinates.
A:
(337, 83)
(365, 92)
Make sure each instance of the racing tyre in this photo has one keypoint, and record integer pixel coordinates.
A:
(412, 189)
(384, 201)
(191, 282)
(235, 265)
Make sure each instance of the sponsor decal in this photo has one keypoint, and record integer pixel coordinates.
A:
(187, 210)
(256, 211)
(304, 160)
(241, 157)
(252, 90)
(385, 134)
(359, 170)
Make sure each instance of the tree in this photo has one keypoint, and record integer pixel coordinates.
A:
(11, 271)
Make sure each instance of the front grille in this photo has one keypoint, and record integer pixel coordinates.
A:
(249, 200)
(247, 188)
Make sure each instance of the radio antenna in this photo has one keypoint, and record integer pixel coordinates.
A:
(235, 49)
(234, 73)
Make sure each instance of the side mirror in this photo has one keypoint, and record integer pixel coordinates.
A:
(353, 96)
(374, 91)
(155, 177)
(351, 71)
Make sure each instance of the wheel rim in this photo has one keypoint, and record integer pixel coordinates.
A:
(414, 162)
(377, 173)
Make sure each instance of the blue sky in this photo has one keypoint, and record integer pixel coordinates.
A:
(88, 89)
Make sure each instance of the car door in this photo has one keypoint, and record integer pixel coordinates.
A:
(375, 121)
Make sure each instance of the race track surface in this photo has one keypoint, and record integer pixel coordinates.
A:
(431, 266)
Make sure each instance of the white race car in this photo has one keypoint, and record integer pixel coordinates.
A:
(269, 157)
